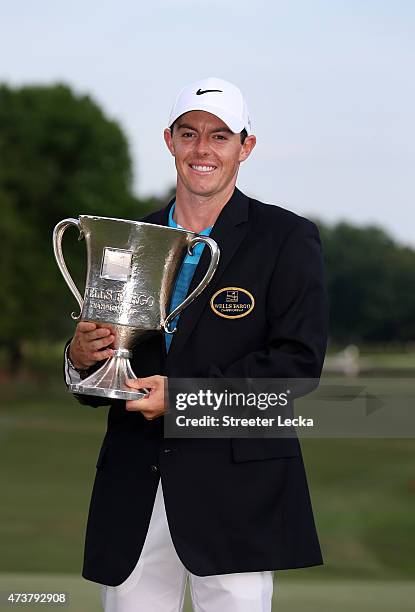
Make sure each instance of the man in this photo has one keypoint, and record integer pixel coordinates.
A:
(224, 512)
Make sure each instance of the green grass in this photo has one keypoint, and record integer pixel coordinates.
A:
(363, 492)
(48, 443)
(289, 596)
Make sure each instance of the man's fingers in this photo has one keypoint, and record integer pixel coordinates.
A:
(96, 345)
(141, 404)
(86, 326)
(100, 332)
(90, 343)
(136, 383)
(148, 381)
(100, 355)
(151, 405)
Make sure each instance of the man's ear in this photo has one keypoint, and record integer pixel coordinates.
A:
(248, 145)
(168, 139)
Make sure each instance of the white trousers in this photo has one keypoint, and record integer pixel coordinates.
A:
(158, 581)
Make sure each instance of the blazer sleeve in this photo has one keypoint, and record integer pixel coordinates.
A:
(297, 314)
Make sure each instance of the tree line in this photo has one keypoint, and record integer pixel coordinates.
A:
(61, 156)
(371, 285)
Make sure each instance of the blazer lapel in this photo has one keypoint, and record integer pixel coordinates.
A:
(160, 217)
(229, 231)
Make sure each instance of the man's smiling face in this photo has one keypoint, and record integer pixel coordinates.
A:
(207, 154)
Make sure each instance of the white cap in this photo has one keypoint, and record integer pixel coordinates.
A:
(215, 96)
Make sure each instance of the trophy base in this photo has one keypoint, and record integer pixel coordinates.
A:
(109, 381)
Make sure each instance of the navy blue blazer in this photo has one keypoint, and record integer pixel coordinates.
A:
(233, 505)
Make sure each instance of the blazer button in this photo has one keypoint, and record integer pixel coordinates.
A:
(154, 468)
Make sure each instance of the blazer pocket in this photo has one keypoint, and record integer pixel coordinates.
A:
(258, 449)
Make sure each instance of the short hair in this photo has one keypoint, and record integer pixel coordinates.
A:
(242, 134)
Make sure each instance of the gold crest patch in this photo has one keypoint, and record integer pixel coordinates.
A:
(232, 302)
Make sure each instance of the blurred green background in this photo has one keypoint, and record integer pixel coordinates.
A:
(60, 156)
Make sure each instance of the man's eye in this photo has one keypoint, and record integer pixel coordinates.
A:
(219, 137)
(187, 134)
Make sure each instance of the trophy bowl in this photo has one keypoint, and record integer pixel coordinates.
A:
(131, 270)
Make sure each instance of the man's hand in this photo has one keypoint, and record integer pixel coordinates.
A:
(89, 345)
(154, 404)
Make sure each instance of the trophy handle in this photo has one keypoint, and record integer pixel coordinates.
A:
(214, 260)
(57, 249)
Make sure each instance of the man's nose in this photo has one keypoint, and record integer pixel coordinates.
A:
(202, 145)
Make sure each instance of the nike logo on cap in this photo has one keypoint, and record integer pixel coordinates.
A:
(200, 92)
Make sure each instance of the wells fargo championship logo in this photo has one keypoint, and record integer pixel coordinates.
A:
(232, 302)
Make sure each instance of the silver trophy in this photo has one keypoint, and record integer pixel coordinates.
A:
(132, 267)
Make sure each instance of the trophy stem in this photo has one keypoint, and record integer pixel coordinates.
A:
(109, 380)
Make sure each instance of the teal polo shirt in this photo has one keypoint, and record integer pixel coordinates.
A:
(185, 275)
